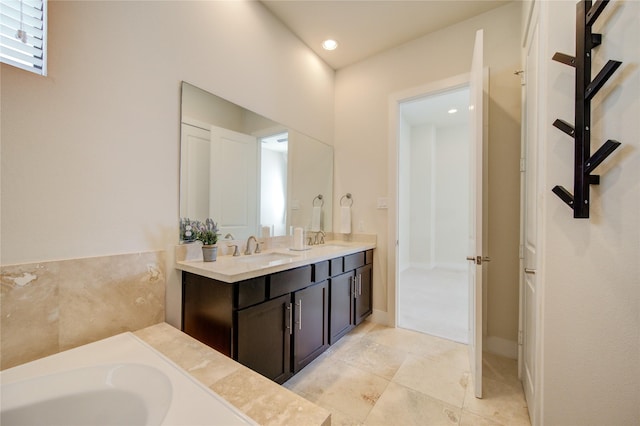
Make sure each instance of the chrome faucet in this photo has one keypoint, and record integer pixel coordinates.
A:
(235, 249)
(322, 235)
(248, 249)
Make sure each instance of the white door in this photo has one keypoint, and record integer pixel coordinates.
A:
(528, 292)
(476, 255)
(235, 182)
(194, 172)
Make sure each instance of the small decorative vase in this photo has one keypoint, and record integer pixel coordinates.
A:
(209, 253)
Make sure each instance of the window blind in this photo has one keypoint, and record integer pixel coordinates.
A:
(23, 34)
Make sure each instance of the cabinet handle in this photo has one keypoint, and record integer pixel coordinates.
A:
(290, 327)
(352, 287)
(359, 284)
(300, 317)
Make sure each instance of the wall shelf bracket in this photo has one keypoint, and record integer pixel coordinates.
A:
(585, 90)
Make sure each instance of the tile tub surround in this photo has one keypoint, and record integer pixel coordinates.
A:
(48, 307)
(261, 399)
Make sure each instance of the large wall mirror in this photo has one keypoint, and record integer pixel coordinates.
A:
(251, 175)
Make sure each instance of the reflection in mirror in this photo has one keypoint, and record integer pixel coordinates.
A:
(273, 182)
(251, 175)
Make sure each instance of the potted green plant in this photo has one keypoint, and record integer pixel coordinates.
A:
(207, 232)
(188, 230)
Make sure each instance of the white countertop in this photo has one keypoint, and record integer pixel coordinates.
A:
(233, 269)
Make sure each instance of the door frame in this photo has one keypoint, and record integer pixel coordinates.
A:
(395, 100)
(536, 16)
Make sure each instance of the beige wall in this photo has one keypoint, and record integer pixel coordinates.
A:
(90, 154)
(362, 96)
(590, 268)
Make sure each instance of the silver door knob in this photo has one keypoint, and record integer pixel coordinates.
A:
(479, 259)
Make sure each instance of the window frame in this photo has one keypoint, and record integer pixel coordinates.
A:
(13, 50)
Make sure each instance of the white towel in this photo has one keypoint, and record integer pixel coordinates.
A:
(345, 220)
(315, 218)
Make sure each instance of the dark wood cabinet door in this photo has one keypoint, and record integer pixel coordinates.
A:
(311, 324)
(363, 301)
(341, 306)
(207, 311)
(264, 339)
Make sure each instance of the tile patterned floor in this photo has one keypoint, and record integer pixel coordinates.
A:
(378, 375)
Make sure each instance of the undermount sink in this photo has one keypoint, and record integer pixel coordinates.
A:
(266, 258)
(332, 246)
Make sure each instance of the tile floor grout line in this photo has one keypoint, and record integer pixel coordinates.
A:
(384, 337)
(375, 403)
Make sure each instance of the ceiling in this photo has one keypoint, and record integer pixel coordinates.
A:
(434, 109)
(364, 28)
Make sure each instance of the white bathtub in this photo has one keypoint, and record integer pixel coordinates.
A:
(120, 380)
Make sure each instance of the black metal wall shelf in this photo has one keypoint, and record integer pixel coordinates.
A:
(586, 89)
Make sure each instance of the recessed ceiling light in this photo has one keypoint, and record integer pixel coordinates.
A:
(452, 111)
(329, 44)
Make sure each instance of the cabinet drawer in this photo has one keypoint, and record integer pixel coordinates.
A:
(320, 271)
(368, 257)
(353, 261)
(336, 266)
(250, 292)
(289, 281)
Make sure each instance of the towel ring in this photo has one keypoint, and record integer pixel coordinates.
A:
(348, 197)
(319, 197)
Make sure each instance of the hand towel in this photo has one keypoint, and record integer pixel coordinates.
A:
(345, 219)
(315, 218)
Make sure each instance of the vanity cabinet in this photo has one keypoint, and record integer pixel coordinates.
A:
(362, 293)
(263, 339)
(310, 313)
(277, 324)
(350, 293)
(341, 306)
(279, 337)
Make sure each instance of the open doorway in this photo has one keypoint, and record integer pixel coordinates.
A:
(433, 214)
(273, 184)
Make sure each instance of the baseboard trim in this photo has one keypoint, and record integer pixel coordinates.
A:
(503, 347)
(380, 317)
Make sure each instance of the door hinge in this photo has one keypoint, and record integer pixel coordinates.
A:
(521, 251)
(523, 165)
(520, 337)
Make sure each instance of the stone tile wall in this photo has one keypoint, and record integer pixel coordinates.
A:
(49, 307)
